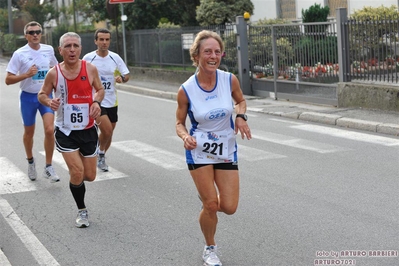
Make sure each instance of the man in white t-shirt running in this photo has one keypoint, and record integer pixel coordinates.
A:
(29, 66)
(112, 69)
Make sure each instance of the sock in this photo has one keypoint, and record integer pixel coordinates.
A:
(78, 193)
(47, 165)
(101, 153)
(30, 160)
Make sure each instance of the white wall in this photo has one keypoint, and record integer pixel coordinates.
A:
(267, 8)
(264, 9)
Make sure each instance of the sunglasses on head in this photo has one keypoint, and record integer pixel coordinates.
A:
(33, 32)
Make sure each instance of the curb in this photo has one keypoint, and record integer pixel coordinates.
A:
(328, 119)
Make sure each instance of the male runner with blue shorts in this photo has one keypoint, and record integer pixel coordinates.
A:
(29, 66)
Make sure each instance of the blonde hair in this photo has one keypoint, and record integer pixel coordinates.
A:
(201, 36)
(31, 24)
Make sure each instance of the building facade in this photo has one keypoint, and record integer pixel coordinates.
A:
(292, 9)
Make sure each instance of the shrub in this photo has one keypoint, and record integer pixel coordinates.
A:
(310, 52)
(373, 26)
(10, 43)
(315, 13)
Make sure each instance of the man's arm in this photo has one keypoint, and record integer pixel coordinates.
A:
(47, 88)
(13, 78)
(95, 108)
(97, 85)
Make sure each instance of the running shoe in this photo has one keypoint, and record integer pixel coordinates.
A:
(32, 174)
(101, 163)
(210, 257)
(82, 220)
(49, 173)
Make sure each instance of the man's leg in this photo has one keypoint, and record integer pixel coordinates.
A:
(48, 124)
(29, 131)
(106, 129)
(49, 143)
(77, 185)
(28, 144)
(105, 137)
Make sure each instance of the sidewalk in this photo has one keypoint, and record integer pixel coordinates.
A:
(362, 119)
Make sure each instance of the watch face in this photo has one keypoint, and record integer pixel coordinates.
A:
(243, 116)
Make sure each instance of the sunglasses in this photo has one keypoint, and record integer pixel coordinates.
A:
(33, 32)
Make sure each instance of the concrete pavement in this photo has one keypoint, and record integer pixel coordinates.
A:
(384, 122)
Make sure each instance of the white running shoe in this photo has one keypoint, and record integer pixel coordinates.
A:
(49, 173)
(101, 163)
(210, 256)
(32, 174)
(82, 220)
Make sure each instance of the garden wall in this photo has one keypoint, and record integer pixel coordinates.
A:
(372, 96)
(160, 75)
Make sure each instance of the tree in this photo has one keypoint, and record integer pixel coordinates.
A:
(182, 12)
(39, 12)
(216, 12)
(3, 20)
(315, 13)
(144, 14)
(4, 4)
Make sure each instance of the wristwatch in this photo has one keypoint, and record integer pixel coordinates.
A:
(243, 116)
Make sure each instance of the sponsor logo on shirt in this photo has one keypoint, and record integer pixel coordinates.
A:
(76, 96)
(216, 114)
(211, 97)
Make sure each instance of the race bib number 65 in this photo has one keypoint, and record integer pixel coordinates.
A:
(76, 116)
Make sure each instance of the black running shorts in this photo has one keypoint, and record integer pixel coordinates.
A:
(220, 166)
(112, 113)
(86, 141)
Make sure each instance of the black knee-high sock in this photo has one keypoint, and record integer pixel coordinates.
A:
(78, 193)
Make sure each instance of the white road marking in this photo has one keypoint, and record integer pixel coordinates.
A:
(152, 154)
(13, 180)
(296, 143)
(253, 154)
(3, 259)
(248, 153)
(352, 135)
(35, 247)
(286, 121)
(101, 176)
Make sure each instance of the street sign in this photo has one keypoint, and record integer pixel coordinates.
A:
(120, 1)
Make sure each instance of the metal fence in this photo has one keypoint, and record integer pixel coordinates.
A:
(298, 61)
(303, 60)
(306, 49)
(374, 49)
(299, 52)
(170, 47)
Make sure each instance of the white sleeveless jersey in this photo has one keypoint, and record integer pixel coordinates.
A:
(25, 57)
(106, 67)
(210, 113)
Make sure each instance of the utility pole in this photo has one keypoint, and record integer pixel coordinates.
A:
(74, 16)
(10, 20)
(124, 18)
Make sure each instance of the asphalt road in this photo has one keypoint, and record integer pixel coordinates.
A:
(309, 192)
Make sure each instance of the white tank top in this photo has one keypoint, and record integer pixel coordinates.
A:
(210, 113)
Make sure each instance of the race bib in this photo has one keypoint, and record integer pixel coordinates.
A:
(108, 82)
(76, 116)
(39, 76)
(214, 146)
